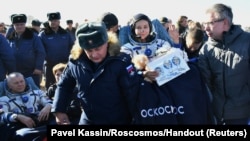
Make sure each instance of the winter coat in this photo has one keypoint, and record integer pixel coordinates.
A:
(7, 58)
(225, 66)
(57, 45)
(29, 52)
(107, 91)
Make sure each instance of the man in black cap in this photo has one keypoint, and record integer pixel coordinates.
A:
(105, 82)
(35, 25)
(28, 49)
(57, 42)
(71, 29)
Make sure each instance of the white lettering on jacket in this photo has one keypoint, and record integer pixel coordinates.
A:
(158, 111)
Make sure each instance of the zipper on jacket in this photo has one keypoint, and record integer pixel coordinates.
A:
(224, 89)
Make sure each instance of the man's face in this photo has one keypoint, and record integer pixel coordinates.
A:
(54, 24)
(17, 84)
(97, 54)
(213, 26)
(19, 27)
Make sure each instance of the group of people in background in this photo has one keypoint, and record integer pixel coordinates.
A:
(91, 77)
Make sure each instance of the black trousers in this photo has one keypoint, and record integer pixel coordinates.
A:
(49, 77)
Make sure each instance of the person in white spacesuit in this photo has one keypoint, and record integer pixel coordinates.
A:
(21, 106)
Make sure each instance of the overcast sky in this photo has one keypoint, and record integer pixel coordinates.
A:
(78, 10)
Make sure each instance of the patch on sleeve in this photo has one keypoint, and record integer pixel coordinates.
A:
(131, 70)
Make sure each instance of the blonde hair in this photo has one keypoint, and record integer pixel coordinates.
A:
(58, 67)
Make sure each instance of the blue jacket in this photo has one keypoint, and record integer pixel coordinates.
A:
(107, 91)
(225, 66)
(29, 52)
(57, 45)
(7, 59)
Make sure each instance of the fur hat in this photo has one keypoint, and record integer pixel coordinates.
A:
(91, 35)
(18, 18)
(11, 16)
(113, 47)
(36, 22)
(109, 19)
(69, 21)
(46, 24)
(54, 16)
